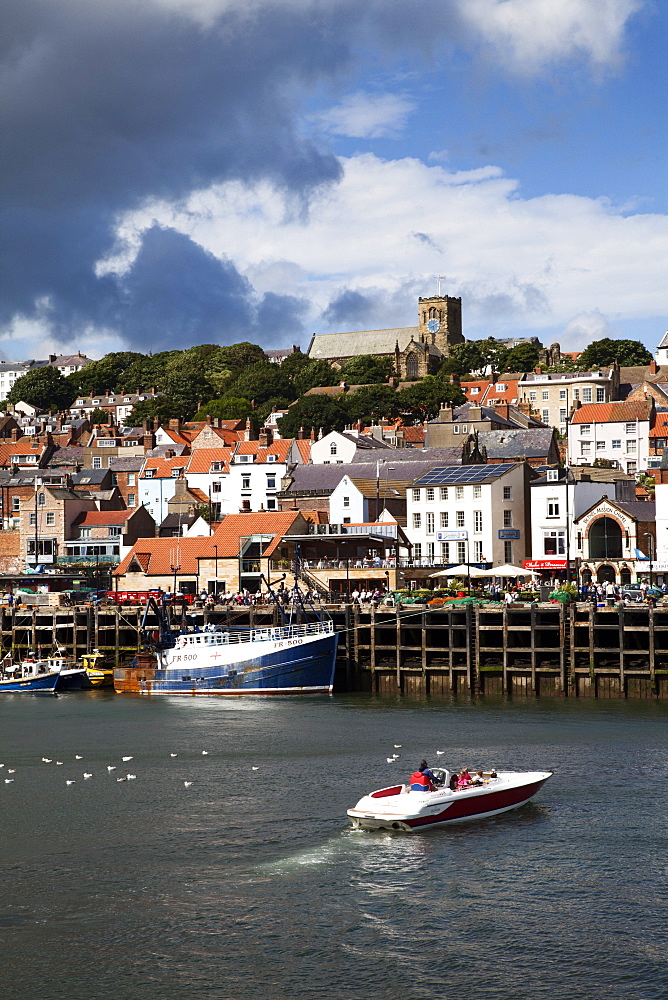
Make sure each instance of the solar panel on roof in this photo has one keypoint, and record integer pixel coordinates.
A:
(451, 475)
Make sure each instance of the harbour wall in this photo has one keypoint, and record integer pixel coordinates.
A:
(578, 651)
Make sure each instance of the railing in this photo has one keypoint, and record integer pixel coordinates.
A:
(277, 634)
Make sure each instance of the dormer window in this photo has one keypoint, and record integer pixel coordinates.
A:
(149, 474)
(475, 391)
(216, 467)
(176, 473)
(95, 402)
(127, 399)
(501, 386)
(552, 475)
(272, 458)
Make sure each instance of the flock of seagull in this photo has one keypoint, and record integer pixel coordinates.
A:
(87, 775)
(396, 756)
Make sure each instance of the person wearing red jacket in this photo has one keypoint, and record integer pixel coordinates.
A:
(424, 779)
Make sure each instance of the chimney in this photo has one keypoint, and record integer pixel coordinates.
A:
(15, 433)
(503, 409)
(445, 414)
(138, 390)
(170, 453)
(343, 385)
(209, 420)
(494, 378)
(263, 439)
(52, 358)
(312, 435)
(455, 379)
(175, 424)
(393, 382)
(300, 434)
(653, 367)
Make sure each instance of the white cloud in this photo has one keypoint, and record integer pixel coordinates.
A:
(368, 116)
(529, 34)
(521, 265)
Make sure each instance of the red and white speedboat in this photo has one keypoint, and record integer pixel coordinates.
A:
(399, 808)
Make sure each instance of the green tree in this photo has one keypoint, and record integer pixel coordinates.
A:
(147, 370)
(158, 408)
(422, 401)
(99, 416)
(522, 358)
(261, 381)
(43, 387)
(311, 375)
(312, 413)
(367, 370)
(469, 357)
(372, 402)
(604, 352)
(107, 373)
(226, 408)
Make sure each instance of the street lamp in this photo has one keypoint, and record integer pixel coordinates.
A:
(215, 582)
(650, 548)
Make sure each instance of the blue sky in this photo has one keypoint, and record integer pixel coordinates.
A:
(187, 171)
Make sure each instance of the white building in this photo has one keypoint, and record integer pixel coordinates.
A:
(552, 395)
(9, 372)
(661, 354)
(469, 513)
(157, 484)
(617, 432)
(340, 447)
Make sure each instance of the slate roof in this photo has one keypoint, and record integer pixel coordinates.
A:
(365, 442)
(641, 510)
(348, 345)
(437, 456)
(69, 455)
(90, 477)
(517, 443)
(131, 464)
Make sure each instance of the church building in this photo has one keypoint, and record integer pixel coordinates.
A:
(415, 350)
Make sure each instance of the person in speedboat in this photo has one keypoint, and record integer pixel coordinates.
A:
(424, 779)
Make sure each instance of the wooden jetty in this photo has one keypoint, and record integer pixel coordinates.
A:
(488, 650)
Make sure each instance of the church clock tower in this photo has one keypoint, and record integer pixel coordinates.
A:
(440, 322)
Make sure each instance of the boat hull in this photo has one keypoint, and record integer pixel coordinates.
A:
(414, 811)
(73, 680)
(39, 684)
(306, 667)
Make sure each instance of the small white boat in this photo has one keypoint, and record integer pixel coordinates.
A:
(399, 808)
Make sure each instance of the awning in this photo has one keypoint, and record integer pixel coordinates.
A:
(506, 570)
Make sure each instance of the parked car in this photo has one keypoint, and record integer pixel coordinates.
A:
(632, 591)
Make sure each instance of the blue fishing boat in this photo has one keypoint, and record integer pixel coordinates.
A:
(15, 679)
(295, 657)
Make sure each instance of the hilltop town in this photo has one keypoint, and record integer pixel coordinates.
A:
(381, 456)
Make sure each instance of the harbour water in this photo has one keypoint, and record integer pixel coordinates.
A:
(250, 884)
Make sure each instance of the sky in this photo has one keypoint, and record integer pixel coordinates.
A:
(179, 172)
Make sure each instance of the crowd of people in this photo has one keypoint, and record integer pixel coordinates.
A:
(425, 780)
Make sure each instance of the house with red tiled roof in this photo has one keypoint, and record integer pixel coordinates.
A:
(617, 432)
(501, 391)
(106, 535)
(157, 482)
(243, 548)
(658, 438)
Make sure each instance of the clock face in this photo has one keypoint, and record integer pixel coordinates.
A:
(432, 325)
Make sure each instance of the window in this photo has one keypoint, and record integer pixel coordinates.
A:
(273, 458)
(33, 519)
(444, 518)
(552, 475)
(585, 447)
(507, 493)
(586, 395)
(600, 394)
(585, 430)
(477, 552)
(533, 396)
(271, 482)
(459, 517)
(41, 499)
(477, 520)
(115, 531)
(430, 493)
(562, 415)
(416, 495)
(475, 391)
(600, 446)
(176, 473)
(50, 518)
(616, 444)
(459, 492)
(346, 501)
(430, 523)
(245, 482)
(632, 467)
(553, 507)
(215, 487)
(16, 503)
(445, 552)
(417, 521)
(455, 428)
(554, 543)
(507, 519)
(545, 416)
(131, 499)
(333, 450)
(576, 393)
(508, 552)
(501, 386)
(444, 492)
(84, 532)
(630, 446)
(477, 492)
(461, 552)
(464, 428)
(271, 503)
(630, 428)
(562, 394)
(545, 395)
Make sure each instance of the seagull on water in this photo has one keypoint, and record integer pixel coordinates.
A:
(131, 777)
(11, 770)
(390, 760)
(78, 756)
(8, 781)
(255, 768)
(187, 784)
(397, 746)
(2, 765)
(111, 767)
(121, 779)
(47, 760)
(59, 763)
(72, 782)
(126, 759)
(205, 753)
(173, 755)
(87, 775)
(440, 753)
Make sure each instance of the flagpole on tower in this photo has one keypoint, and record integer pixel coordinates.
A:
(441, 277)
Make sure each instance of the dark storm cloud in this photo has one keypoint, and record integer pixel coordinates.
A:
(350, 308)
(109, 103)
